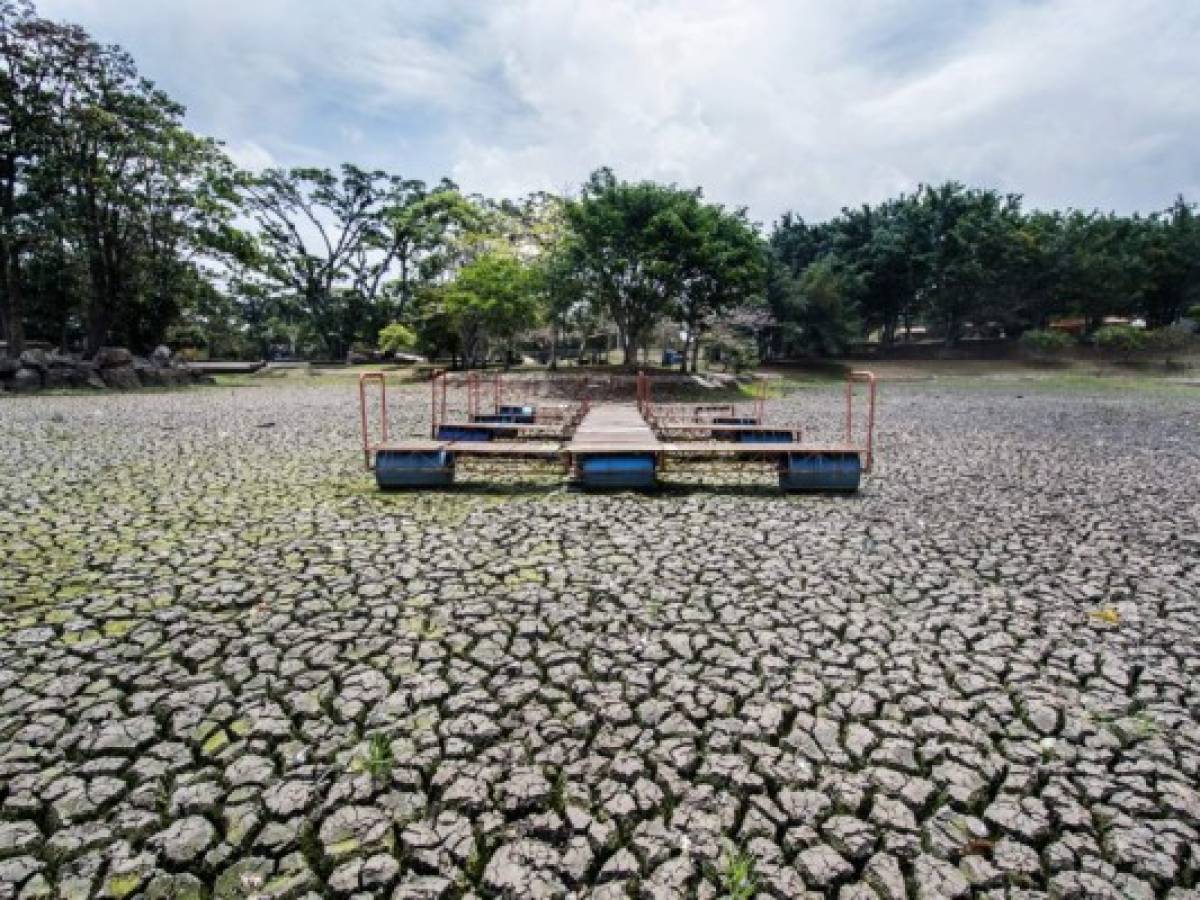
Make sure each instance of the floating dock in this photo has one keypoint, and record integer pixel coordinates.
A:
(613, 445)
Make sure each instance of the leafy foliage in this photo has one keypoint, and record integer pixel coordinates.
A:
(489, 302)
(1121, 340)
(396, 337)
(118, 225)
(1170, 341)
(956, 258)
(645, 250)
(737, 353)
(106, 201)
(737, 876)
(1045, 343)
(378, 759)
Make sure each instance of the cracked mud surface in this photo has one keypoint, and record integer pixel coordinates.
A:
(230, 668)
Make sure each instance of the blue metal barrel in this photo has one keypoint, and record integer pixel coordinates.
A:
(764, 437)
(463, 433)
(820, 472)
(406, 469)
(618, 470)
(504, 418)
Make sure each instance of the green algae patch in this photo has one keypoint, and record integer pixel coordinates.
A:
(118, 627)
(215, 743)
(123, 885)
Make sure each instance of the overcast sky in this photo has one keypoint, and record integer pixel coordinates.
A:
(772, 104)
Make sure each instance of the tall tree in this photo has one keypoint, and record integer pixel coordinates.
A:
(100, 182)
(490, 300)
(1170, 251)
(313, 225)
(415, 229)
(563, 291)
(622, 248)
(721, 265)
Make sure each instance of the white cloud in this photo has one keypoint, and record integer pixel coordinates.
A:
(251, 155)
(774, 104)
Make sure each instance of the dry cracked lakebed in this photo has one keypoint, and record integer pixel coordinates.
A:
(229, 668)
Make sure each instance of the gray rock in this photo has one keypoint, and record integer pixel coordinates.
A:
(36, 360)
(19, 838)
(113, 357)
(936, 878)
(822, 866)
(25, 381)
(186, 840)
(524, 868)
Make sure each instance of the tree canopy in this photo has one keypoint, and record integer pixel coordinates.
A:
(646, 250)
(119, 225)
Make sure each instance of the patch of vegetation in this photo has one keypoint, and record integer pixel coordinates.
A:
(378, 760)
(1045, 344)
(736, 874)
(1121, 340)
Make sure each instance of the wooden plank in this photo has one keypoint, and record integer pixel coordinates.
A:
(413, 446)
(543, 450)
(523, 428)
(723, 429)
(612, 428)
(478, 448)
(705, 448)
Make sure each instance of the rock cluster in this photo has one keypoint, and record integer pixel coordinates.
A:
(229, 668)
(111, 367)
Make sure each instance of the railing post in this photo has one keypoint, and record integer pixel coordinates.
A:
(869, 378)
(363, 378)
(433, 402)
(362, 411)
(445, 387)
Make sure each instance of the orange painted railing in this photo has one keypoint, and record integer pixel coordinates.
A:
(363, 380)
(851, 380)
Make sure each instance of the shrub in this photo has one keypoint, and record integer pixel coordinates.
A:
(397, 337)
(1046, 343)
(737, 354)
(1121, 340)
(1170, 341)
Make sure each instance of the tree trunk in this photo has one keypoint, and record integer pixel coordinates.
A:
(553, 347)
(12, 319)
(696, 353)
(97, 329)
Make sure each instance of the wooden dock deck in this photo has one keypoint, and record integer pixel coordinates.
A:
(613, 426)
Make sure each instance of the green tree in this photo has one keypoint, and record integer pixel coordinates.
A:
(490, 301)
(563, 292)
(1170, 252)
(721, 265)
(106, 201)
(969, 236)
(826, 319)
(313, 225)
(623, 250)
(417, 227)
(1104, 273)
(397, 336)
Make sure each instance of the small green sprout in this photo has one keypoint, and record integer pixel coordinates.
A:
(379, 759)
(738, 878)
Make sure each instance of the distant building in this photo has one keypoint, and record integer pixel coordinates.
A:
(1077, 325)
